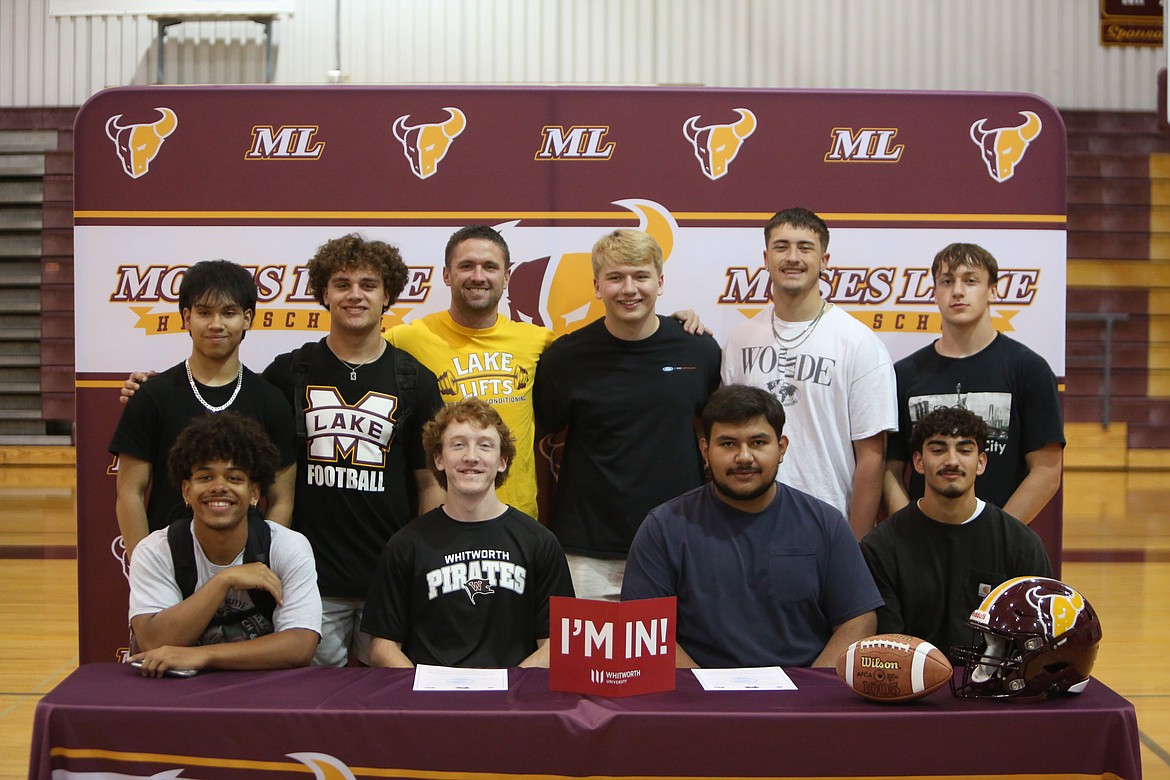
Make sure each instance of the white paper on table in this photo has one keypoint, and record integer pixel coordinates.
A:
(762, 678)
(447, 678)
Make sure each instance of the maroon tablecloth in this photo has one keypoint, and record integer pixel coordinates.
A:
(106, 718)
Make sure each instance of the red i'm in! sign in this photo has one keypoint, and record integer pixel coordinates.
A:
(607, 648)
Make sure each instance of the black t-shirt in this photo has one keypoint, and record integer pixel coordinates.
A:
(630, 407)
(355, 473)
(932, 575)
(1006, 383)
(467, 594)
(160, 410)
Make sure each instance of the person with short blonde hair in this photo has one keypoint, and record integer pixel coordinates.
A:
(626, 247)
(628, 388)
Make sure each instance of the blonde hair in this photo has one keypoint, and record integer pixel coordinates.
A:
(626, 247)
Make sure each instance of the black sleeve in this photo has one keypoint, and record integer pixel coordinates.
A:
(889, 616)
(427, 403)
(551, 404)
(387, 609)
(279, 375)
(280, 426)
(552, 578)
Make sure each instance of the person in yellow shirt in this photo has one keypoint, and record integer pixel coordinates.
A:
(477, 353)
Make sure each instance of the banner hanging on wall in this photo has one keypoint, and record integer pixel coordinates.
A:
(262, 176)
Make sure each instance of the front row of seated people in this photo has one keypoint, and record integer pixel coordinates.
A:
(764, 574)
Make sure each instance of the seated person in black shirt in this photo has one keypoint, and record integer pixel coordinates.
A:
(468, 583)
(937, 558)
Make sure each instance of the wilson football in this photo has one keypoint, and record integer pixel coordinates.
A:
(893, 668)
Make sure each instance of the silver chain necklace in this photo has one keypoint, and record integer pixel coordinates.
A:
(353, 369)
(202, 400)
(792, 342)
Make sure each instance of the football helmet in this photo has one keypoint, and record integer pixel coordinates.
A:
(1035, 637)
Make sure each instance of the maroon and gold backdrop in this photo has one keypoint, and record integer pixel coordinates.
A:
(261, 176)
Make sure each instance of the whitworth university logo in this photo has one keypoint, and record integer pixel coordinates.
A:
(716, 146)
(1003, 147)
(476, 573)
(425, 145)
(138, 144)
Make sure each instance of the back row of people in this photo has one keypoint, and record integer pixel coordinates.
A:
(627, 389)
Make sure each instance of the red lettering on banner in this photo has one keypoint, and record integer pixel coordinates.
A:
(746, 286)
(269, 281)
(1017, 286)
(919, 286)
(153, 283)
(300, 291)
(418, 284)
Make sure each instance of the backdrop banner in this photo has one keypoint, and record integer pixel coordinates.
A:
(166, 177)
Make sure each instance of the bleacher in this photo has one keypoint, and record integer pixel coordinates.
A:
(36, 276)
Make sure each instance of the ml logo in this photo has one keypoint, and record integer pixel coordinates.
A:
(287, 142)
(870, 144)
(579, 142)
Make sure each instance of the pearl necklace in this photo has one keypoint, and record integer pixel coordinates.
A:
(792, 342)
(202, 400)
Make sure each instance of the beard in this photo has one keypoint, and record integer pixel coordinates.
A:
(745, 493)
(950, 489)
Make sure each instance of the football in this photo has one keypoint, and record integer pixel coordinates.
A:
(893, 668)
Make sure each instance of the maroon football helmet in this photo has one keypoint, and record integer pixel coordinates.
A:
(1036, 637)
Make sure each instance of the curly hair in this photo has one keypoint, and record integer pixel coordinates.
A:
(355, 251)
(478, 414)
(950, 421)
(229, 437)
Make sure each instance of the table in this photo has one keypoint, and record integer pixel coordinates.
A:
(344, 723)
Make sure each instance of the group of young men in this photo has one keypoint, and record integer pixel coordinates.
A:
(439, 421)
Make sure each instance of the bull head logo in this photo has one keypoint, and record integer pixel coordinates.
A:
(717, 145)
(425, 145)
(138, 144)
(1004, 147)
(1058, 609)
